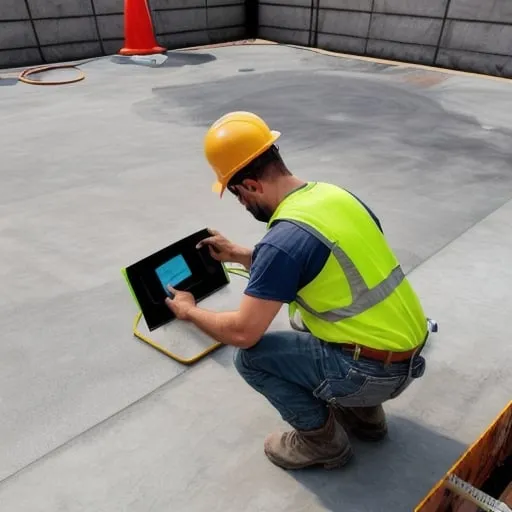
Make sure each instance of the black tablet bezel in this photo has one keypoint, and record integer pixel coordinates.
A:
(208, 276)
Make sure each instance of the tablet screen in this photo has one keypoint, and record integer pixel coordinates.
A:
(173, 272)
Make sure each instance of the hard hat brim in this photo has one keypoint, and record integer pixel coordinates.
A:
(219, 188)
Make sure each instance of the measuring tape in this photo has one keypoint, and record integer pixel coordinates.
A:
(478, 497)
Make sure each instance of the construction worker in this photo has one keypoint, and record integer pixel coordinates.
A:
(357, 324)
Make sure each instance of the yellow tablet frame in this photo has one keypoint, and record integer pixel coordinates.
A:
(167, 352)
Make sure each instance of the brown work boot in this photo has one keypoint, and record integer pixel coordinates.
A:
(366, 423)
(328, 446)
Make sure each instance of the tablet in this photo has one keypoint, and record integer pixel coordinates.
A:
(180, 265)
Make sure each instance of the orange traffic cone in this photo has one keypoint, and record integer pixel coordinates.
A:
(138, 30)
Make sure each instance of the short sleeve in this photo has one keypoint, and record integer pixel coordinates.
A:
(274, 275)
(286, 260)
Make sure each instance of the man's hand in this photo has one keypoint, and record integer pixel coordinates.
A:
(242, 328)
(181, 304)
(223, 250)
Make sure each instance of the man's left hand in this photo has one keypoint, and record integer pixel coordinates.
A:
(181, 304)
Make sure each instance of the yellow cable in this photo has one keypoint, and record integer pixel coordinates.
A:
(182, 360)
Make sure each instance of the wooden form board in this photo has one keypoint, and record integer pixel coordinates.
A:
(474, 466)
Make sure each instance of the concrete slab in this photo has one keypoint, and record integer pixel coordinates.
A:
(172, 452)
(188, 447)
(466, 287)
(101, 173)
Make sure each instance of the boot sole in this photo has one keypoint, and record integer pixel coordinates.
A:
(331, 463)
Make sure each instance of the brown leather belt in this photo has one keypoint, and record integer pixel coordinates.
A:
(386, 356)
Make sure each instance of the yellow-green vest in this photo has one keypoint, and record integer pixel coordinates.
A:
(361, 295)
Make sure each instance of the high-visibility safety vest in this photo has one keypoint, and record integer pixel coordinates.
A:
(361, 295)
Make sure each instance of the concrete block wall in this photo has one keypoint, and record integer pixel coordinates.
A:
(469, 35)
(34, 32)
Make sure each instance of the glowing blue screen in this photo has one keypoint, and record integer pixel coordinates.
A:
(173, 272)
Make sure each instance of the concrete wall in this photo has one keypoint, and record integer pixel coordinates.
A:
(470, 35)
(40, 31)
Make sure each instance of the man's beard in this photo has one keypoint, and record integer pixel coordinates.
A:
(259, 212)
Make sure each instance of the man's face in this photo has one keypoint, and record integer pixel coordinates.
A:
(251, 197)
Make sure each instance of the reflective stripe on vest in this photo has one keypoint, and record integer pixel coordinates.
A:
(363, 298)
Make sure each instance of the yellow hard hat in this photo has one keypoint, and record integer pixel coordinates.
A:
(233, 141)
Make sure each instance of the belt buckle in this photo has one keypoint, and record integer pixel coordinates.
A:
(357, 352)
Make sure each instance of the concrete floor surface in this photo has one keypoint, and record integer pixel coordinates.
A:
(102, 173)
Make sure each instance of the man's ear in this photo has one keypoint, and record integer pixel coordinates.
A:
(252, 185)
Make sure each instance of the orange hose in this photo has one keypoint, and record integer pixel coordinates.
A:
(32, 71)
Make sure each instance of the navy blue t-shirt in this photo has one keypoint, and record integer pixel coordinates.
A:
(287, 259)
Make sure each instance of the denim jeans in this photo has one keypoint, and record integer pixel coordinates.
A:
(300, 375)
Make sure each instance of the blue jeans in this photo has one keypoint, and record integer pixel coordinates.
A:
(300, 375)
